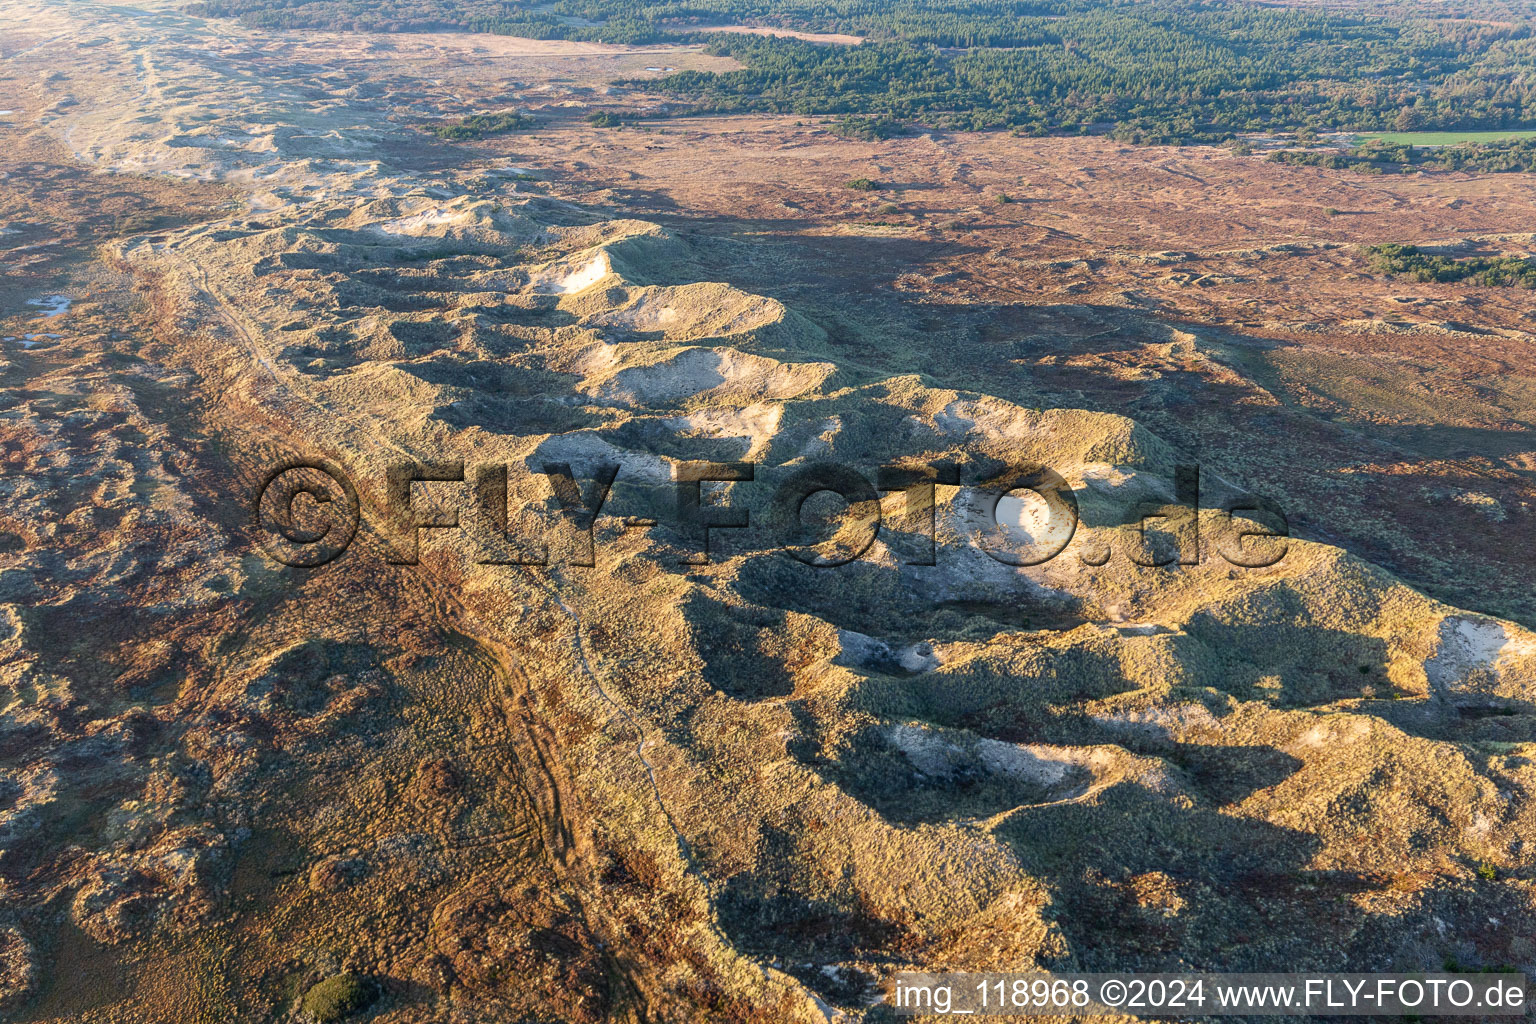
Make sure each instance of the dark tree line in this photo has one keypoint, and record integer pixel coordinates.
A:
(1382, 157)
(1490, 271)
(1163, 71)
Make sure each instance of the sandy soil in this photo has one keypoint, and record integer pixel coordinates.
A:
(830, 38)
(1444, 375)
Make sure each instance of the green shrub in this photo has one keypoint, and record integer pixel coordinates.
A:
(334, 999)
(481, 125)
(1489, 271)
(862, 184)
(869, 129)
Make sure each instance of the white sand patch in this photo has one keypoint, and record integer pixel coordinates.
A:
(1124, 485)
(362, 167)
(585, 449)
(1063, 772)
(928, 750)
(1173, 723)
(1472, 647)
(860, 650)
(696, 371)
(692, 312)
(52, 305)
(822, 38)
(417, 223)
(568, 279)
(1022, 529)
(1039, 764)
(756, 424)
(1027, 518)
(1331, 734)
(596, 359)
(827, 432)
(691, 373)
(648, 313)
(990, 418)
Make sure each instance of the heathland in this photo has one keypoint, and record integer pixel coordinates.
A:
(431, 781)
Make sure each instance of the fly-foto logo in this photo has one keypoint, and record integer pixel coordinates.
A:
(306, 513)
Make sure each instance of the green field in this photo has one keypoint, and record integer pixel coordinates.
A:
(1443, 138)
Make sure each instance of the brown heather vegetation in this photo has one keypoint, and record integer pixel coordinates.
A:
(744, 791)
